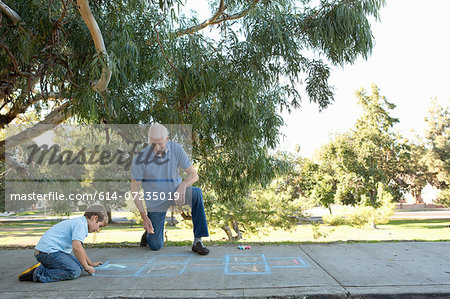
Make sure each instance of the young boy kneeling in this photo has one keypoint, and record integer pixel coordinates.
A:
(53, 251)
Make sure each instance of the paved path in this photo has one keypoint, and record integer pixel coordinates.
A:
(316, 214)
(360, 270)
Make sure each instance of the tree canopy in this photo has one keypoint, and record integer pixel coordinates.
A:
(162, 59)
(353, 167)
(437, 149)
(141, 61)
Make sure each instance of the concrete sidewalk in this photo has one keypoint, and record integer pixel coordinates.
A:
(360, 270)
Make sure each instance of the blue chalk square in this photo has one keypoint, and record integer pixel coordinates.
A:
(239, 269)
(202, 264)
(238, 264)
(163, 269)
(245, 258)
(122, 265)
(286, 262)
(125, 272)
(171, 259)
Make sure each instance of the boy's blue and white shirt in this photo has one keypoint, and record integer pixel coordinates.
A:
(160, 175)
(60, 236)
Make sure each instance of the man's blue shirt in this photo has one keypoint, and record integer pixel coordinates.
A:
(160, 175)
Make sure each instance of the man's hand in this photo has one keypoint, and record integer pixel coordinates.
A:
(95, 264)
(89, 269)
(191, 178)
(147, 224)
(181, 191)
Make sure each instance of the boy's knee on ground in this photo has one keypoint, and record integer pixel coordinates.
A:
(73, 273)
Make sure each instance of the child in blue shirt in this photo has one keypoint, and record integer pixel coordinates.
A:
(53, 251)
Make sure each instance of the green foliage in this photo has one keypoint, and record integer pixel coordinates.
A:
(230, 84)
(443, 197)
(356, 162)
(437, 156)
(319, 231)
(365, 216)
(334, 220)
(414, 174)
(246, 61)
(2, 187)
(135, 217)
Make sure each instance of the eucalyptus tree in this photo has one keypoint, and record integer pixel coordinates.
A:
(139, 61)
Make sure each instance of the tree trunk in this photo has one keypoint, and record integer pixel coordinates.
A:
(227, 230)
(418, 197)
(97, 37)
(109, 214)
(52, 120)
(236, 229)
(373, 197)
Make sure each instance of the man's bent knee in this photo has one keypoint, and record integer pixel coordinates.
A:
(197, 195)
(155, 247)
(197, 191)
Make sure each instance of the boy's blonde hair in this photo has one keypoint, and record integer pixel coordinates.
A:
(97, 210)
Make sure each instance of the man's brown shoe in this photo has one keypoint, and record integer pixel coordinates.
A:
(200, 248)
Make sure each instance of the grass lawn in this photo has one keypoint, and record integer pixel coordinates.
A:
(28, 233)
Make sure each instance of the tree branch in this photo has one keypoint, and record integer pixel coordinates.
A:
(22, 106)
(15, 63)
(86, 14)
(216, 20)
(12, 15)
(162, 50)
(52, 120)
(22, 171)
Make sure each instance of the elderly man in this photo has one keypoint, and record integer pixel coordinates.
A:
(156, 168)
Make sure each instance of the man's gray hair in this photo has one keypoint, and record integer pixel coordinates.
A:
(157, 131)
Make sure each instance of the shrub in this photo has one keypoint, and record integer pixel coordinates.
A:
(334, 220)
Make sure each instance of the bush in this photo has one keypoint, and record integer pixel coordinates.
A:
(334, 220)
(365, 216)
(362, 216)
(443, 197)
(368, 216)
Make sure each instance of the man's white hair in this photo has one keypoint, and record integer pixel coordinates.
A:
(157, 131)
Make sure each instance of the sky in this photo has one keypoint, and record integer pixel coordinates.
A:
(410, 63)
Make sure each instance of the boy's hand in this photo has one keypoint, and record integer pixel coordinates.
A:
(95, 264)
(89, 269)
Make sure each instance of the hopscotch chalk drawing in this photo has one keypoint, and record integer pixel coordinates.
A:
(172, 265)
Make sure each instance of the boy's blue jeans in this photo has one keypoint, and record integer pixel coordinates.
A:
(155, 241)
(56, 266)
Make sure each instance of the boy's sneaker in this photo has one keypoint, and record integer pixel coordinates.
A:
(200, 248)
(27, 275)
(143, 240)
